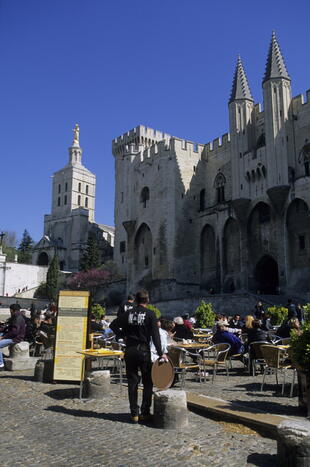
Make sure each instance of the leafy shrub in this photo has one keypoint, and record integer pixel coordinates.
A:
(41, 291)
(307, 312)
(155, 309)
(205, 316)
(278, 314)
(98, 311)
(300, 346)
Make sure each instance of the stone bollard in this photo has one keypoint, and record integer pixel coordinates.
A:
(20, 350)
(294, 443)
(170, 409)
(98, 384)
(43, 371)
(19, 358)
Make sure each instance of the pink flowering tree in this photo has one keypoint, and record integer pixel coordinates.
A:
(89, 280)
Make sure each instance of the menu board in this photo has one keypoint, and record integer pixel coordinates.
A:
(71, 334)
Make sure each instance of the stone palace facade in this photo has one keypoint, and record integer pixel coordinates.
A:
(232, 214)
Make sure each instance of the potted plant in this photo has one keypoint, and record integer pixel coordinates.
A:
(98, 311)
(300, 352)
(278, 314)
(155, 309)
(205, 316)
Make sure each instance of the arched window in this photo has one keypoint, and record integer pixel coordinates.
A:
(66, 186)
(145, 196)
(80, 186)
(79, 200)
(202, 200)
(86, 189)
(65, 200)
(261, 141)
(59, 188)
(304, 157)
(219, 185)
(86, 202)
(58, 201)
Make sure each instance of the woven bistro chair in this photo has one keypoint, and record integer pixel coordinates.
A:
(178, 357)
(282, 340)
(215, 357)
(274, 358)
(255, 355)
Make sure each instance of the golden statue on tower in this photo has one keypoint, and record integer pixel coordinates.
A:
(76, 131)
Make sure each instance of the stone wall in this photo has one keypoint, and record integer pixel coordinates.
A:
(228, 304)
(18, 276)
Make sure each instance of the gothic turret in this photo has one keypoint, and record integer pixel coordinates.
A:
(277, 100)
(275, 66)
(240, 88)
(241, 106)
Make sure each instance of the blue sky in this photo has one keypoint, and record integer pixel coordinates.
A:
(111, 65)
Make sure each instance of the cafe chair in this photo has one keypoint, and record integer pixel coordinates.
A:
(274, 359)
(215, 357)
(178, 357)
(282, 340)
(256, 356)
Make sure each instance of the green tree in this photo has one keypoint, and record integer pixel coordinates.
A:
(91, 256)
(52, 279)
(25, 248)
(155, 309)
(205, 315)
(41, 291)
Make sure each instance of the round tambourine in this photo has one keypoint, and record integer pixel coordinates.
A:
(162, 374)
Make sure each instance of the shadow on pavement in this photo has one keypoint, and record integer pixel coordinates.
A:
(262, 460)
(62, 394)
(22, 377)
(255, 406)
(114, 417)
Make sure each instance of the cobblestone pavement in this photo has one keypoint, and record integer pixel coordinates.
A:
(46, 424)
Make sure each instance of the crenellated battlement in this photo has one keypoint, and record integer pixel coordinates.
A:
(138, 135)
(301, 102)
(218, 143)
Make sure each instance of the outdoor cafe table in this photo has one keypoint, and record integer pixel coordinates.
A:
(102, 354)
(192, 345)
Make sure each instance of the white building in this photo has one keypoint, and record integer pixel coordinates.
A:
(72, 219)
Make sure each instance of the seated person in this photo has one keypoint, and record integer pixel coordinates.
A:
(236, 322)
(163, 341)
(256, 333)
(266, 324)
(284, 331)
(223, 336)
(94, 325)
(181, 331)
(187, 322)
(14, 332)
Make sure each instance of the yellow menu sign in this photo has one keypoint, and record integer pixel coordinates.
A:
(71, 334)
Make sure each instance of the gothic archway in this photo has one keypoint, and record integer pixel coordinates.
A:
(298, 240)
(43, 259)
(267, 275)
(208, 258)
(231, 245)
(143, 250)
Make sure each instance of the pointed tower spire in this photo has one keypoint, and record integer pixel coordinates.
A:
(275, 66)
(240, 88)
